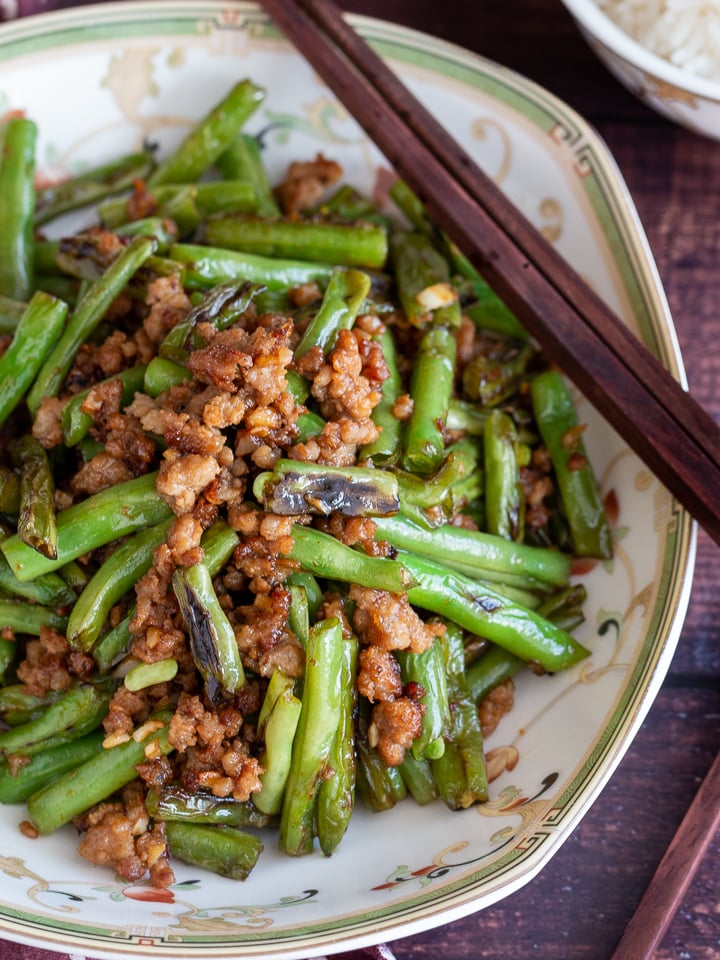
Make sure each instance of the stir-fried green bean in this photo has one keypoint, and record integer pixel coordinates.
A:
(557, 420)
(35, 335)
(37, 522)
(91, 185)
(92, 523)
(17, 207)
(316, 731)
(210, 137)
(86, 317)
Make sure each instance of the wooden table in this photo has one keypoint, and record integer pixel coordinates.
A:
(577, 908)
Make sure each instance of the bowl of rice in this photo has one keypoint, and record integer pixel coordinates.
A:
(666, 52)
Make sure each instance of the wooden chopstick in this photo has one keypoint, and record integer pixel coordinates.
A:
(663, 897)
(658, 419)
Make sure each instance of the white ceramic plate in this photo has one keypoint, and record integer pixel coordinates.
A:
(100, 80)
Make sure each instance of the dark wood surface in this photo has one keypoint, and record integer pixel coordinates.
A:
(578, 906)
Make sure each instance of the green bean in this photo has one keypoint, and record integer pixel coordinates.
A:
(485, 612)
(343, 299)
(321, 554)
(488, 312)
(319, 719)
(418, 778)
(9, 490)
(86, 318)
(10, 313)
(243, 161)
(298, 386)
(313, 591)
(92, 523)
(181, 208)
(91, 186)
(430, 388)
(294, 487)
(74, 576)
(494, 667)
(23, 617)
(436, 489)
(45, 259)
(460, 772)
(412, 207)
(175, 803)
(48, 590)
(98, 777)
(77, 712)
(37, 523)
(62, 288)
(565, 607)
(212, 639)
(279, 684)
(364, 245)
(350, 205)
(47, 766)
(386, 449)
(299, 613)
(163, 229)
(583, 507)
(427, 669)
(423, 280)
(147, 674)
(493, 376)
(224, 850)
(278, 731)
(89, 448)
(198, 200)
(488, 555)
(76, 423)
(466, 416)
(162, 374)
(17, 205)
(114, 645)
(36, 333)
(86, 257)
(218, 543)
(210, 137)
(17, 706)
(8, 651)
(336, 795)
(207, 266)
(504, 499)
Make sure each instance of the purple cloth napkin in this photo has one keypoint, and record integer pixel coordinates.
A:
(16, 951)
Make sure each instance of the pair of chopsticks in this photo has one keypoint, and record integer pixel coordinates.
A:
(659, 420)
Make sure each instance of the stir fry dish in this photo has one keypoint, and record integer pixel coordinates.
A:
(287, 499)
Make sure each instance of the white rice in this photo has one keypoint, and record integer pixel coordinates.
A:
(685, 32)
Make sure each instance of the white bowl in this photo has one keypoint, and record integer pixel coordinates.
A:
(98, 80)
(687, 98)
